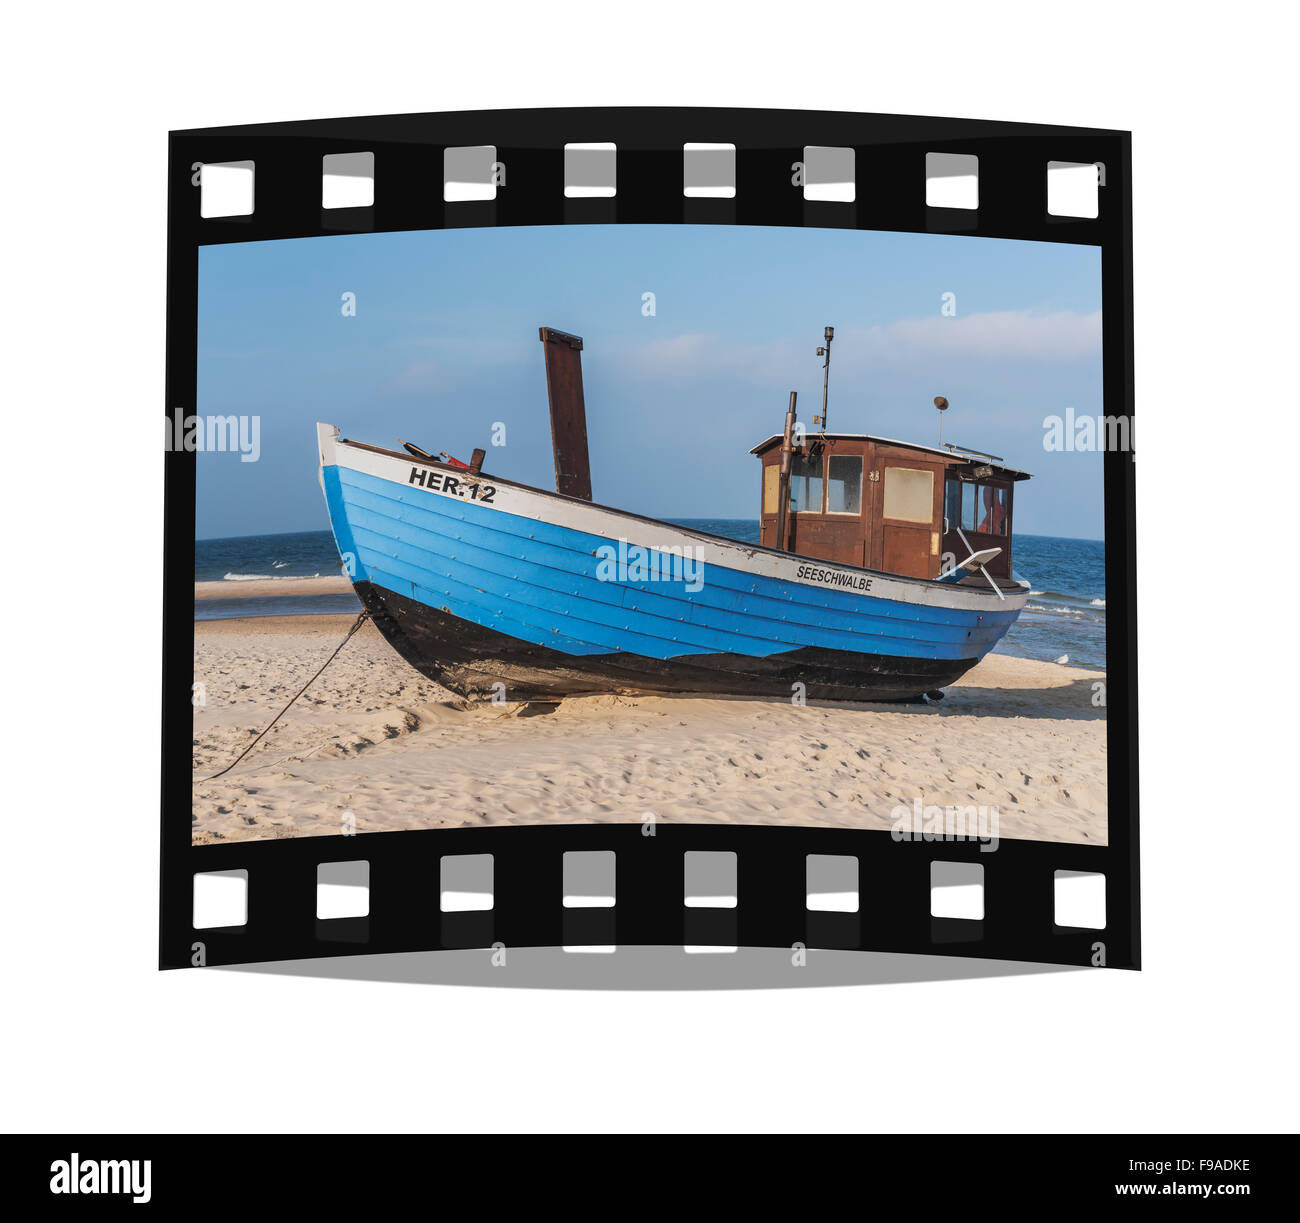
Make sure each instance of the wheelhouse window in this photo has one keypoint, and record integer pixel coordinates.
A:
(844, 484)
(992, 509)
(806, 485)
(975, 507)
(952, 503)
(909, 494)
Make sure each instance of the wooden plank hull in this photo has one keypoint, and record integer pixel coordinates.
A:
(472, 660)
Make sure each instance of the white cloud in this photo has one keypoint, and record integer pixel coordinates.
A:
(424, 377)
(1021, 336)
(1060, 336)
(691, 348)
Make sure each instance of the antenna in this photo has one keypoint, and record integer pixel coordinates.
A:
(826, 376)
(942, 404)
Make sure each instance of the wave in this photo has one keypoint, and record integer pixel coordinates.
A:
(1055, 611)
(268, 577)
(1065, 598)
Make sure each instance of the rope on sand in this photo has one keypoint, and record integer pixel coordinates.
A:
(360, 620)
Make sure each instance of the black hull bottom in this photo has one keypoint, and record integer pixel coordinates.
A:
(470, 660)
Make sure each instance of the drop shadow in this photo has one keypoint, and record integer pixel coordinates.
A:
(1070, 702)
(650, 969)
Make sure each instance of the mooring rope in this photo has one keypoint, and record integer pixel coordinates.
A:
(360, 620)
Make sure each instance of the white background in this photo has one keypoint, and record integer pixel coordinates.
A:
(93, 1036)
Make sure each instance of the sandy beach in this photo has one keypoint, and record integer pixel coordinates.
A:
(374, 741)
(254, 588)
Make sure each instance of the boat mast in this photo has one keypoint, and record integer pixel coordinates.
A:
(826, 377)
(783, 484)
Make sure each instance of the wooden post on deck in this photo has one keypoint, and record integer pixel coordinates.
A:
(568, 412)
(783, 485)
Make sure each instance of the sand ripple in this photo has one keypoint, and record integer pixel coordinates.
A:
(375, 742)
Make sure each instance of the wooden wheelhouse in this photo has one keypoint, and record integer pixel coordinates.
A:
(894, 507)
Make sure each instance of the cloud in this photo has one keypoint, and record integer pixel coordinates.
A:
(1022, 336)
(695, 353)
(422, 377)
(1059, 336)
(690, 347)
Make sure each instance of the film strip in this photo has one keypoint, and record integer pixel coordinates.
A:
(702, 884)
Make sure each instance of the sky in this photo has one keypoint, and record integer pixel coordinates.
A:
(443, 345)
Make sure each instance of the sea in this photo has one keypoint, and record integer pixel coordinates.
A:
(1065, 618)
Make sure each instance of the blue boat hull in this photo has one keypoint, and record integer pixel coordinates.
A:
(483, 584)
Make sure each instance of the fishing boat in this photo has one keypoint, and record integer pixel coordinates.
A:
(883, 570)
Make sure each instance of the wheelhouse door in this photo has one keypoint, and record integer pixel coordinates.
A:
(908, 492)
